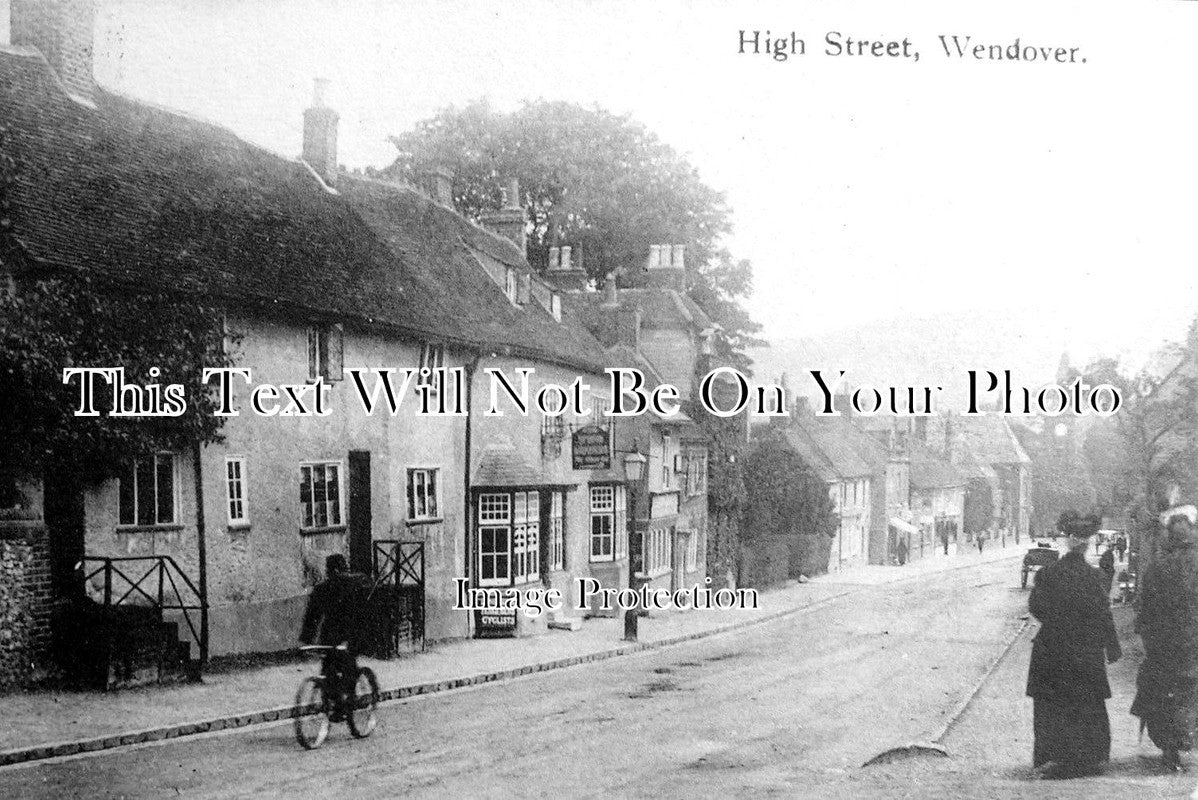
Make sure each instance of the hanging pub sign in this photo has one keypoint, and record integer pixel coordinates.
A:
(591, 448)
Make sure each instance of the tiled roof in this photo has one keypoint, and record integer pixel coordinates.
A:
(660, 308)
(990, 439)
(145, 194)
(502, 465)
(931, 471)
(449, 258)
(836, 442)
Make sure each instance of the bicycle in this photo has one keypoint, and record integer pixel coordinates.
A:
(315, 709)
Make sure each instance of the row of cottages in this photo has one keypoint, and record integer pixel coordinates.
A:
(650, 324)
(909, 488)
(320, 270)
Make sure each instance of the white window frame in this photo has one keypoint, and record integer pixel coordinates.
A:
(512, 520)
(526, 537)
(555, 306)
(423, 505)
(309, 523)
(691, 557)
(175, 489)
(608, 502)
(510, 285)
(557, 531)
(237, 502)
(602, 506)
(659, 550)
(432, 358)
(326, 351)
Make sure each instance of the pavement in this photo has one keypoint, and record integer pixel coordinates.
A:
(50, 724)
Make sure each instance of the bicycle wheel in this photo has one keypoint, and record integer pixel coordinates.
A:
(363, 716)
(311, 714)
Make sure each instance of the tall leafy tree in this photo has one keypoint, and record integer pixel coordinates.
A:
(50, 321)
(1157, 429)
(786, 499)
(599, 182)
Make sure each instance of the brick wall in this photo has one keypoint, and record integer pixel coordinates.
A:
(25, 603)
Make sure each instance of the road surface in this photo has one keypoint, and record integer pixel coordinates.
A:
(788, 708)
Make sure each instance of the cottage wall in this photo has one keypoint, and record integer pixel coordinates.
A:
(259, 574)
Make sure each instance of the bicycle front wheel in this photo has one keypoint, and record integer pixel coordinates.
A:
(311, 714)
(363, 716)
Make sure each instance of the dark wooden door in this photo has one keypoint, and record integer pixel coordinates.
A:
(360, 520)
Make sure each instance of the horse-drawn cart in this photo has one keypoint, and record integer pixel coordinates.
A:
(1036, 558)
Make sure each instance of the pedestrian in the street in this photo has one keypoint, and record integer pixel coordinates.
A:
(1167, 686)
(1121, 546)
(981, 540)
(1067, 678)
(901, 550)
(1106, 563)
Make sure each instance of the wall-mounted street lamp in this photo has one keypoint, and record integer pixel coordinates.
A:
(634, 470)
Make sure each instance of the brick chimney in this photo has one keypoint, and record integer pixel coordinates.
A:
(320, 135)
(63, 31)
(628, 327)
(564, 270)
(438, 184)
(509, 221)
(666, 267)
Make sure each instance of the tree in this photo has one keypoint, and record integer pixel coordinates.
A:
(599, 182)
(50, 321)
(1061, 470)
(786, 499)
(1157, 427)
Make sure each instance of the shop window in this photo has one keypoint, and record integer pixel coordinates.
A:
(557, 532)
(509, 538)
(609, 539)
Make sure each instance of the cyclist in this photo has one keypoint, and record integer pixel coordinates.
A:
(334, 609)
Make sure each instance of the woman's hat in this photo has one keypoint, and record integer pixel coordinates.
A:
(1187, 512)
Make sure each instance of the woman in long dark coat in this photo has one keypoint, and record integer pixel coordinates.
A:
(1167, 687)
(1067, 677)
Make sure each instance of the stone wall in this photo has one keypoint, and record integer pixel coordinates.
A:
(25, 603)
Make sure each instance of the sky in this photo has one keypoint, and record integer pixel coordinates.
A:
(1058, 198)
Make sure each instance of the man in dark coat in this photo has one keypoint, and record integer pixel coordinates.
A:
(1167, 686)
(1067, 678)
(1106, 563)
(334, 617)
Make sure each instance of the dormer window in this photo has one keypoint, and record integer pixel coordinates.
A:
(510, 285)
(432, 358)
(326, 345)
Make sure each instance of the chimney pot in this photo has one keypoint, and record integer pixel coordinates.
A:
(320, 89)
(63, 31)
(611, 295)
(679, 261)
(555, 258)
(567, 255)
(441, 180)
(654, 256)
(511, 220)
(320, 134)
